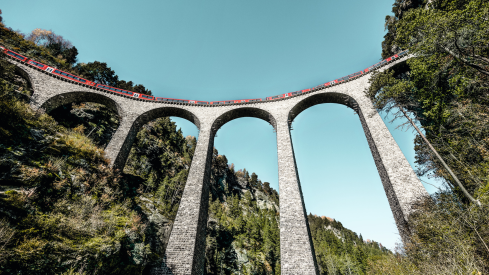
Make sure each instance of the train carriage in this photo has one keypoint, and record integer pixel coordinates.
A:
(164, 99)
(248, 100)
(69, 76)
(253, 100)
(403, 53)
(234, 101)
(116, 90)
(125, 92)
(343, 79)
(15, 55)
(355, 75)
(319, 87)
(37, 64)
(274, 97)
(222, 102)
(199, 102)
(369, 69)
(143, 96)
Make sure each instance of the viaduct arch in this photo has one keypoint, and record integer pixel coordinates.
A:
(186, 247)
(26, 75)
(243, 112)
(362, 111)
(120, 145)
(80, 96)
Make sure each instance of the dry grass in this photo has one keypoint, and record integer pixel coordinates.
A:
(6, 234)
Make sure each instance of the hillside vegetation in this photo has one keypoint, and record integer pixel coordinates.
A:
(63, 210)
(445, 88)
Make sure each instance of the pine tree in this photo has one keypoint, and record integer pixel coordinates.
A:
(235, 209)
(254, 180)
(266, 188)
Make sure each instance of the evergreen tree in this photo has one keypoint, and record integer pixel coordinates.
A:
(253, 180)
(266, 188)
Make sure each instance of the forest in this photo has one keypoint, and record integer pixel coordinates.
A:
(63, 210)
(443, 88)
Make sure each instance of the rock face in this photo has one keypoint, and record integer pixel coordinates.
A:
(158, 226)
(264, 201)
(336, 232)
(242, 228)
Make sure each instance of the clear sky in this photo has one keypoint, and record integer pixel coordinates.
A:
(236, 49)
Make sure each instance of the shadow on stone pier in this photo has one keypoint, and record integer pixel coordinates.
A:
(163, 269)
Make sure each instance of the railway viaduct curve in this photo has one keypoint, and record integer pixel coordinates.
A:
(186, 248)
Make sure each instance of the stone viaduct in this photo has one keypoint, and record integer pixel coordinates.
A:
(186, 247)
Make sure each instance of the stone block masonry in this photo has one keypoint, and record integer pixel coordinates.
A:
(185, 252)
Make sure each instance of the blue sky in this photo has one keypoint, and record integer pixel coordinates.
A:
(231, 49)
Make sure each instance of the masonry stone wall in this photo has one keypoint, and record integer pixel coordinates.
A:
(186, 248)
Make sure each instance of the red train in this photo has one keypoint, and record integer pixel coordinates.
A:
(152, 98)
